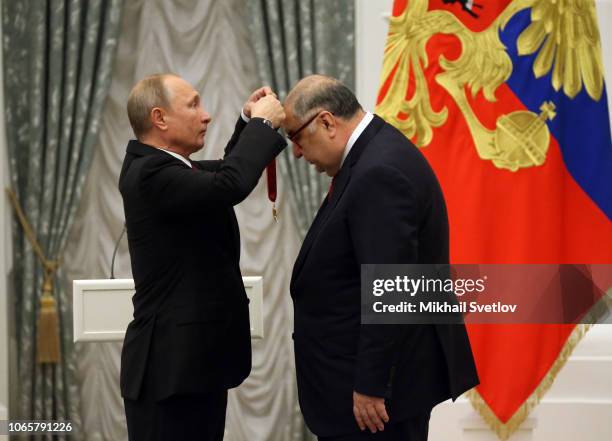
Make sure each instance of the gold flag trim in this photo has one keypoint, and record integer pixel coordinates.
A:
(505, 430)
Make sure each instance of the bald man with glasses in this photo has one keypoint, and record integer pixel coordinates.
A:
(385, 206)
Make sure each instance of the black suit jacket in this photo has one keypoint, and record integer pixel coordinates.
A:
(190, 332)
(386, 207)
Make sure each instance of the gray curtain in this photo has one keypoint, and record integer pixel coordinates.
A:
(57, 67)
(293, 39)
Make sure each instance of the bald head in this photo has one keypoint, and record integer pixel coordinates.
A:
(148, 93)
(322, 113)
(320, 92)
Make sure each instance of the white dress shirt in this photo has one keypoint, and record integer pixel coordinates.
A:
(367, 118)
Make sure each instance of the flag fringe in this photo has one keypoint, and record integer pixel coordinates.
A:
(505, 430)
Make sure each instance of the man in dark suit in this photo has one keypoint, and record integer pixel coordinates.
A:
(190, 338)
(384, 206)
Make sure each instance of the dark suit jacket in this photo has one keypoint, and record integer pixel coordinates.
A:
(190, 332)
(386, 207)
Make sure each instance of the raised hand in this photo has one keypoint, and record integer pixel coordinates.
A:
(268, 107)
(256, 96)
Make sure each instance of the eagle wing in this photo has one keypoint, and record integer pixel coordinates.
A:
(565, 34)
(405, 61)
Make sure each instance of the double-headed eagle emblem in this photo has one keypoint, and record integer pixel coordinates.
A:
(564, 34)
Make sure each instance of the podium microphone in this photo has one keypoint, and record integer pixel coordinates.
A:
(112, 265)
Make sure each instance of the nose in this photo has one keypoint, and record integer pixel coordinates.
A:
(206, 118)
(297, 150)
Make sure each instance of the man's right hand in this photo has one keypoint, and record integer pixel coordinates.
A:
(270, 108)
(370, 412)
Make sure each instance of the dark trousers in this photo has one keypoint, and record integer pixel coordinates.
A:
(177, 418)
(413, 429)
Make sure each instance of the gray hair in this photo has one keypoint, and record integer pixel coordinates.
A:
(327, 94)
(147, 94)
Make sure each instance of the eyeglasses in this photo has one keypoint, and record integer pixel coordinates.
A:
(292, 136)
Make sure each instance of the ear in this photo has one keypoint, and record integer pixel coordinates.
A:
(158, 118)
(329, 123)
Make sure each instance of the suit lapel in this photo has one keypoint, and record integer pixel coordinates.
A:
(319, 221)
(340, 185)
(299, 261)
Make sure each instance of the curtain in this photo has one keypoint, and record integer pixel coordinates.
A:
(58, 58)
(207, 43)
(295, 39)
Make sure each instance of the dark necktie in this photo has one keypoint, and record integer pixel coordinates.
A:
(331, 188)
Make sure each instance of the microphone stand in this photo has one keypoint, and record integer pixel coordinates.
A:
(112, 265)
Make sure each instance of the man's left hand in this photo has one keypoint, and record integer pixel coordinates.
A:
(255, 96)
(370, 412)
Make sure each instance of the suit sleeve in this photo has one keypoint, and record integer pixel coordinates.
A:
(213, 165)
(173, 189)
(240, 125)
(210, 165)
(384, 218)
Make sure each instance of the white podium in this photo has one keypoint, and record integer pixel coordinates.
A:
(102, 308)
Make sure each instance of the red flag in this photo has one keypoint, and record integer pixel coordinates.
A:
(514, 120)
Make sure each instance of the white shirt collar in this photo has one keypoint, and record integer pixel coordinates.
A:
(177, 156)
(367, 118)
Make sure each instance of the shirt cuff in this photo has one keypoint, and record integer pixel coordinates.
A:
(244, 117)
